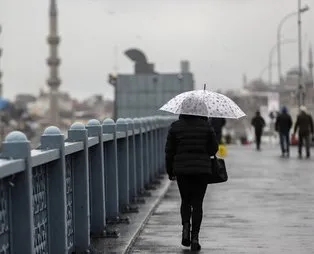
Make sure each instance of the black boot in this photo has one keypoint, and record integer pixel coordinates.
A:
(195, 245)
(186, 235)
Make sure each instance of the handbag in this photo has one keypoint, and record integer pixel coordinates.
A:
(219, 172)
(294, 140)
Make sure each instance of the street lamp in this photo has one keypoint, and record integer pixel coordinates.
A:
(271, 53)
(300, 76)
(301, 10)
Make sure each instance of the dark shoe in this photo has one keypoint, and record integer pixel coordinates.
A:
(308, 156)
(195, 245)
(186, 235)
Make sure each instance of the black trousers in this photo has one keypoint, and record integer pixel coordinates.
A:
(284, 142)
(304, 138)
(258, 137)
(192, 190)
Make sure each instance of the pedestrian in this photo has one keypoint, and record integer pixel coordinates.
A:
(283, 126)
(304, 126)
(190, 143)
(218, 124)
(258, 123)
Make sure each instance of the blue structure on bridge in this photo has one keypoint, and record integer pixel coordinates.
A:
(54, 198)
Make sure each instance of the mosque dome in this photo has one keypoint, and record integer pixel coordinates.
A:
(295, 72)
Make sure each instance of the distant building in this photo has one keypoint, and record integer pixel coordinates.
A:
(144, 92)
(21, 100)
(93, 107)
(41, 106)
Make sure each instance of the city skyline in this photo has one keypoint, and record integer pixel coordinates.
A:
(217, 37)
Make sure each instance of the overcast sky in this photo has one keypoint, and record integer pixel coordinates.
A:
(222, 39)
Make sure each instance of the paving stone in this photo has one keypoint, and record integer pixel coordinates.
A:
(266, 207)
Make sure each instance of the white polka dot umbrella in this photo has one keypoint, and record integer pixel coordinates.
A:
(203, 103)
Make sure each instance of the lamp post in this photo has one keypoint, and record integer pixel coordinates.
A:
(271, 53)
(285, 18)
(300, 73)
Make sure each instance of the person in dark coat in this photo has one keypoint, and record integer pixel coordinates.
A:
(218, 124)
(283, 126)
(190, 144)
(258, 123)
(304, 125)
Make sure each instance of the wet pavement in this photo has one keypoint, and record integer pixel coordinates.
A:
(129, 231)
(267, 206)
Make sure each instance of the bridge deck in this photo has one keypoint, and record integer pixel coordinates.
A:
(266, 207)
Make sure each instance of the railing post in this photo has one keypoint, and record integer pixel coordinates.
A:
(159, 145)
(165, 133)
(124, 168)
(146, 153)
(144, 157)
(123, 165)
(155, 150)
(111, 174)
(151, 142)
(132, 162)
(97, 180)
(162, 143)
(52, 138)
(139, 156)
(17, 146)
(111, 171)
(78, 133)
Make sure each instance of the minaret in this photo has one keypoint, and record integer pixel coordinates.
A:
(53, 63)
(1, 85)
(311, 65)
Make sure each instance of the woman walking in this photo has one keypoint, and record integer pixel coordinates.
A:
(190, 144)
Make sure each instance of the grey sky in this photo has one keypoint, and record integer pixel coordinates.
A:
(221, 38)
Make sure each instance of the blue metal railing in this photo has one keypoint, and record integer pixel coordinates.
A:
(54, 198)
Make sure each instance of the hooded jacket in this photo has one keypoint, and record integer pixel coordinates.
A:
(283, 122)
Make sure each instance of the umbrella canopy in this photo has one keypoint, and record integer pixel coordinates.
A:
(203, 103)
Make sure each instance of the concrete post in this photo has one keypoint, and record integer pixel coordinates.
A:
(17, 146)
(111, 175)
(97, 180)
(124, 168)
(78, 133)
(52, 138)
(139, 155)
(146, 153)
(132, 160)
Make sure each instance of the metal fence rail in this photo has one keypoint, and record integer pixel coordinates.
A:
(54, 198)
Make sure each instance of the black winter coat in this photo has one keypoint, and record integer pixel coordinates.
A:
(283, 123)
(304, 124)
(190, 144)
(218, 124)
(258, 123)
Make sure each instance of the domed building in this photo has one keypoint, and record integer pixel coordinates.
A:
(289, 86)
(292, 78)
